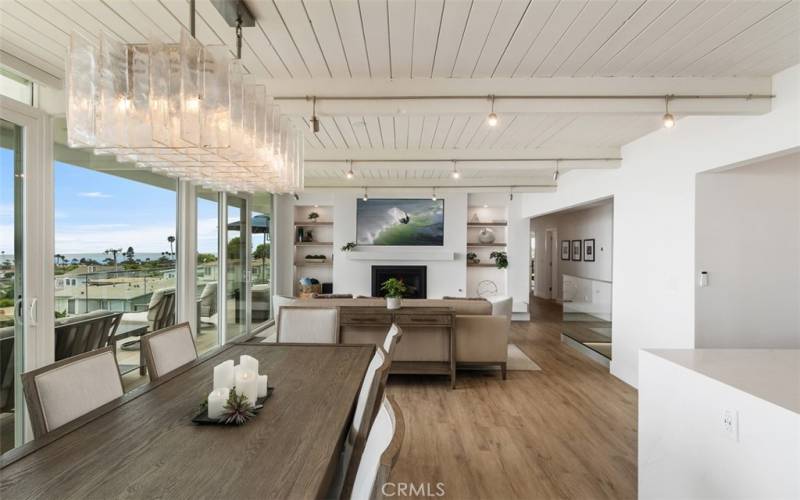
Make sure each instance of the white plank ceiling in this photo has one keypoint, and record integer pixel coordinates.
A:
(495, 40)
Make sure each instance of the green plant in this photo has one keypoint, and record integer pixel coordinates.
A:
(351, 245)
(238, 409)
(313, 216)
(500, 259)
(316, 256)
(472, 256)
(394, 287)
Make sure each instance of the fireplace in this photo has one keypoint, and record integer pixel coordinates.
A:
(414, 277)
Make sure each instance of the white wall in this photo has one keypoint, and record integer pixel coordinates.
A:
(653, 194)
(593, 222)
(354, 276)
(748, 240)
(684, 451)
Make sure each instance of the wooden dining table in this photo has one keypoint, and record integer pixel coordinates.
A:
(144, 445)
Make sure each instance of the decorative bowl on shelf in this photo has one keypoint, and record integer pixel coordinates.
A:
(486, 236)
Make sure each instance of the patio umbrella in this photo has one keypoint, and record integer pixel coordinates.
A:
(259, 224)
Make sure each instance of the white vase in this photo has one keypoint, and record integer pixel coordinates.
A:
(393, 302)
(486, 236)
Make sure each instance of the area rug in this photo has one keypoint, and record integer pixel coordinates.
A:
(519, 361)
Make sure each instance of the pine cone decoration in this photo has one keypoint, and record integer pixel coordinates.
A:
(238, 409)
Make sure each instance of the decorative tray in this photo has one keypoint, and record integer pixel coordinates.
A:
(202, 417)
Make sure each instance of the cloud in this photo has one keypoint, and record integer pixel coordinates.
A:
(95, 238)
(94, 194)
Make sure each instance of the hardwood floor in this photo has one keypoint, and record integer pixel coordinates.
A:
(568, 431)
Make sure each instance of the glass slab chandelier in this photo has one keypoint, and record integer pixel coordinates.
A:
(182, 110)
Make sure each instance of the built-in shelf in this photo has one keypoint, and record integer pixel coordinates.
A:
(312, 224)
(481, 265)
(476, 245)
(487, 224)
(305, 263)
(314, 244)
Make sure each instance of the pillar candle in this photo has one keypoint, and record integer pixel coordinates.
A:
(262, 386)
(247, 384)
(223, 375)
(216, 402)
(248, 363)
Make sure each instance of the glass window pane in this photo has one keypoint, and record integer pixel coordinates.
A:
(260, 289)
(10, 282)
(207, 272)
(236, 253)
(115, 227)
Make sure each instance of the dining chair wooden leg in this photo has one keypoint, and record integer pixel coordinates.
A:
(503, 370)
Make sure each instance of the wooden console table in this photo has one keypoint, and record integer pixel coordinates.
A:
(409, 318)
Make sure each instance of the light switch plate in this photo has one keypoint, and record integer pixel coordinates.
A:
(730, 424)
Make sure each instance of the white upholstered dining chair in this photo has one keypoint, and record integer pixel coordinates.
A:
(65, 390)
(380, 453)
(168, 349)
(391, 340)
(309, 325)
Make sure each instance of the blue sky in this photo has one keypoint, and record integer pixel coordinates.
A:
(95, 211)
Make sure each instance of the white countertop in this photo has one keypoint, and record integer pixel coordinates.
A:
(769, 374)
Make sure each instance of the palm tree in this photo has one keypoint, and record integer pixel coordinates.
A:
(129, 254)
(171, 240)
(114, 252)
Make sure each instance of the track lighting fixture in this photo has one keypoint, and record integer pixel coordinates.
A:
(492, 118)
(510, 194)
(314, 119)
(433, 196)
(456, 174)
(350, 173)
(366, 197)
(555, 173)
(669, 120)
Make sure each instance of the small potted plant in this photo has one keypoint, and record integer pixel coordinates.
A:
(472, 258)
(313, 216)
(500, 259)
(351, 245)
(316, 258)
(394, 289)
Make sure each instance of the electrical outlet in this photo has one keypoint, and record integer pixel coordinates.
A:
(730, 424)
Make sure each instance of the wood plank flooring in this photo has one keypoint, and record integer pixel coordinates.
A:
(568, 431)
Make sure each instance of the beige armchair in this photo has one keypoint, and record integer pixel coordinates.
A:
(483, 340)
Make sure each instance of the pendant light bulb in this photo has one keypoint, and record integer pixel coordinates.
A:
(668, 119)
(350, 174)
(492, 118)
(456, 174)
(365, 198)
(433, 196)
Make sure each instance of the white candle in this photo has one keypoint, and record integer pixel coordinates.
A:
(262, 386)
(248, 363)
(236, 371)
(223, 375)
(247, 384)
(216, 402)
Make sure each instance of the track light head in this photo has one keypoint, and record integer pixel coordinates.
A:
(492, 119)
(455, 174)
(433, 196)
(314, 124)
(365, 197)
(350, 174)
(555, 175)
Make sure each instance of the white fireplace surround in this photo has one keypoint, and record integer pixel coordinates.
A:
(400, 254)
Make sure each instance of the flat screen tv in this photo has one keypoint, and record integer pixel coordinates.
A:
(394, 222)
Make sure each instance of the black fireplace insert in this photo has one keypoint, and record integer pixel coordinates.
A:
(414, 277)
